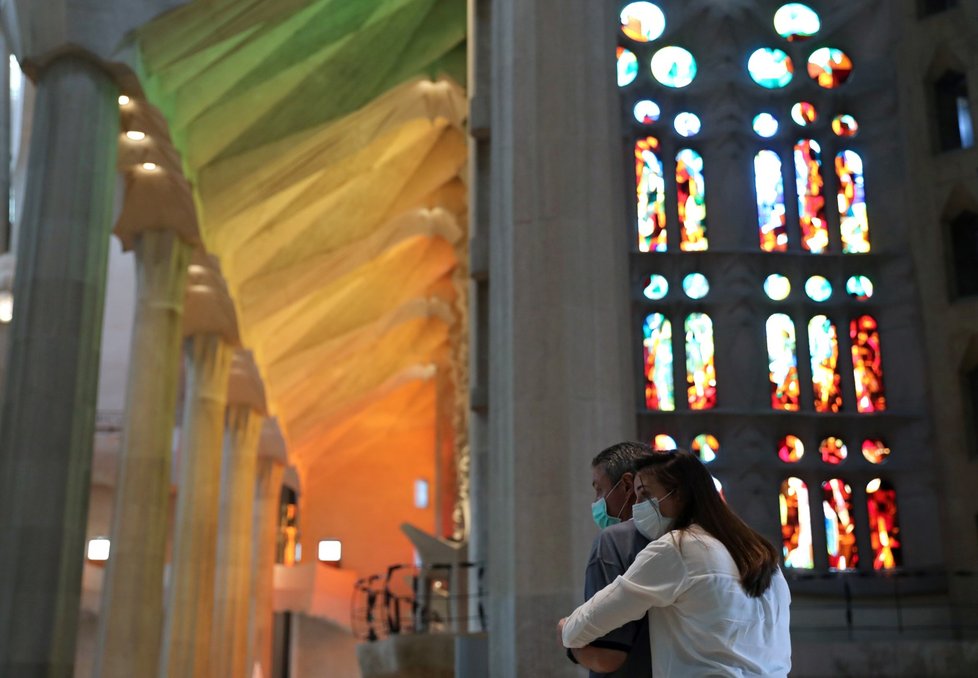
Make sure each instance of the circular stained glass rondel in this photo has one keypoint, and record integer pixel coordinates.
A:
(687, 124)
(833, 450)
(656, 288)
(696, 286)
(829, 67)
(627, 66)
(765, 125)
(875, 451)
(663, 443)
(859, 287)
(803, 113)
(845, 125)
(646, 111)
(796, 22)
(673, 66)
(818, 288)
(770, 67)
(642, 21)
(777, 287)
(790, 449)
(706, 447)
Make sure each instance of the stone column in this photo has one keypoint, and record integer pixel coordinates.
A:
(560, 384)
(246, 413)
(272, 459)
(48, 414)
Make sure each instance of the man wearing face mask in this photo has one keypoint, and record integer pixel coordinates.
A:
(624, 652)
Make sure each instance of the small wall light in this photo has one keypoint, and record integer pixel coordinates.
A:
(150, 166)
(6, 306)
(421, 493)
(124, 100)
(135, 135)
(330, 551)
(98, 549)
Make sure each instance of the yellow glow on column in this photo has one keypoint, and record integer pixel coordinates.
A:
(6, 306)
(330, 551)
(136, 135)
(98, 549)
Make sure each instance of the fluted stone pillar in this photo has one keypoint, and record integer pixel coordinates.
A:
(272, 459)
(48, 413)
(131, 615)
(190, 595)
(229, 641)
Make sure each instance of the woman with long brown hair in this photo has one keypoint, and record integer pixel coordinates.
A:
(712, 587)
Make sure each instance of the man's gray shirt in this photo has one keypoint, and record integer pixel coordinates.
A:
(613, 552)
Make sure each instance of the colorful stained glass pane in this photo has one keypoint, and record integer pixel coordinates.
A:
(884, 529)
(657, 352)
(867, 364)
(833, 450)
(782, 362)
(824, 345)
(853, 221)
(845, 126)
(769, 188)
(765, 125)
(650, 191)
(706, 447)
(627, 66)
(691, 194)
(829, 67)
(656, 287)
(642, 21)
(696, 286)
(790, 449)
(777, 287)
(687, 124)
(840, 525)
(701, 376)
(796, 524)
(818, 288)
(663, 443)
(646, 111)
(770, 67)
(875, 451)
(673, 66)
(803, 113)
(811, 196)
(860, 287)
(796, 22)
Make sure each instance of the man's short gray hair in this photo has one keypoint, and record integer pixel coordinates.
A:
(620, 458)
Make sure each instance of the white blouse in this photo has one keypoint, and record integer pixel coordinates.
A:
(701, 621)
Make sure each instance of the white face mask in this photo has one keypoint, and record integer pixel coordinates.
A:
(649, 520)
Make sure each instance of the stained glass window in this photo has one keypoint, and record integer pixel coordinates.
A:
(777, 287)
(687, 124)
(845, 126)
(795, 22)
(796, 524)
(853, 222)
(691, 193)
(867, 364)
(790, 449)
(829, 67)
(627, 66)
(840, 525)
(833, 450)
(803, 113)
(884, 529)
(701, 377)
(717, 484)
(875, 451)
(663, 443)
(650, 190)
(769, 188)
(673, 66)
(765, 125)
(811, 196)
(646, 111)
(656, 287)
(770, 67)
(818, 288)
(696, 286)
(859, 287)
(706, 447)
(823, 343)
(782, 362)
(642, 21)
(657, 349)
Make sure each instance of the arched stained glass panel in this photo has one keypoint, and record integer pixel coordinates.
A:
(782, 362)
(796, 524)
(769, 188)
(884, 529)
(691, 192)
(701, 376)
(811, 196)
(840, 525)
(657, 350)
(824, 345)
(650, 191)
(853, 222)
(867, 364)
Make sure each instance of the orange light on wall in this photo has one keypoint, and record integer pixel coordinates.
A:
(330, 551)
(98, 549)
